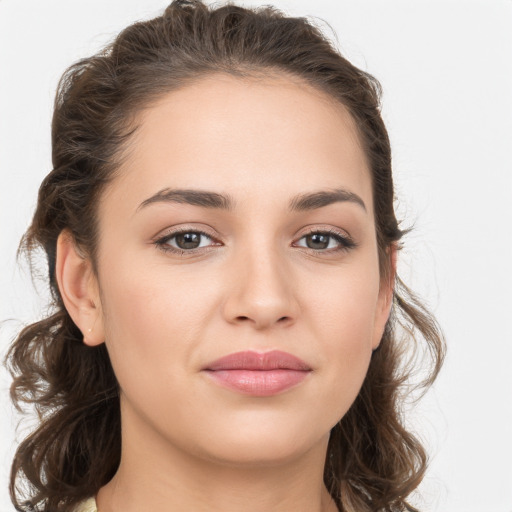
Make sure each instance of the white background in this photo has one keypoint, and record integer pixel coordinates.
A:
(446, 69)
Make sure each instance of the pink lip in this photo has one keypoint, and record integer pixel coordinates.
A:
(258, 374)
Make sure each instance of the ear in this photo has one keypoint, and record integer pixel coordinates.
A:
(79, 290)
(385, 299)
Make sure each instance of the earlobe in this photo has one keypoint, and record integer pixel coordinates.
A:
(79, 289)
(386, 293)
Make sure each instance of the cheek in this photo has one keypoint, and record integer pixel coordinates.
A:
(345, 306)
(345, 319)
(152, 320)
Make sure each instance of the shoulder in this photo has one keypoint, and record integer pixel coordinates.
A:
(88, 505)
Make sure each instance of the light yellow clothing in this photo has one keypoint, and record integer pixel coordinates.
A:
(87, 506)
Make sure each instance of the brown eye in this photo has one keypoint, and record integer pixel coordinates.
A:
(185, 241)
(188, 240)
(317, 241)
(326, 241)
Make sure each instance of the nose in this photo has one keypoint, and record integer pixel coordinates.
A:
(261, 292)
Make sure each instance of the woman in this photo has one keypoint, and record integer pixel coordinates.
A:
(222, 248)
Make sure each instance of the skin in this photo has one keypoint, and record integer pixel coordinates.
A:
(188, 443)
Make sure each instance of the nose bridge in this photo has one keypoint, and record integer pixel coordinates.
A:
(262, 289)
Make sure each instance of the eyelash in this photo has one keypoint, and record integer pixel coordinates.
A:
(345, 242)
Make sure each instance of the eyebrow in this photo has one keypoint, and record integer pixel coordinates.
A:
(206, 199)
(314, 200)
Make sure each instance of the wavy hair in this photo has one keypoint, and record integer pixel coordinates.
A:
(373, 462)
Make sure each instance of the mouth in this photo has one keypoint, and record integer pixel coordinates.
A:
(258, 374)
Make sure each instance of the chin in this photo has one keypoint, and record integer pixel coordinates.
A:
(263, 453)
(262, 443)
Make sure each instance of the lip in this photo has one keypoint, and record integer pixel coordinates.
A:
(258, 374)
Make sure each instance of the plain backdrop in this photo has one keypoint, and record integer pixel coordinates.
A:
(446, 71)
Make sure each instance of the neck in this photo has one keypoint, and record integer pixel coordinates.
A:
(156, 475)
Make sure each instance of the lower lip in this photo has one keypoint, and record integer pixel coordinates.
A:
(258, 382)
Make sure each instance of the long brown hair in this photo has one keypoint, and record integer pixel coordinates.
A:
(373, 463)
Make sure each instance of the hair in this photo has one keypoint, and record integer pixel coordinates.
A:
(373, 462)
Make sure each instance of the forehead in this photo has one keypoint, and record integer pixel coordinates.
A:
(249, 136)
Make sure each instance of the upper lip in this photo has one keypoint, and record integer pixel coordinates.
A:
(252, 360)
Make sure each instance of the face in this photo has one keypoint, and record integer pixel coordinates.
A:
(238, 272)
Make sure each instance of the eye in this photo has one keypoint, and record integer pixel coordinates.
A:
(186, 240)
(326, 241)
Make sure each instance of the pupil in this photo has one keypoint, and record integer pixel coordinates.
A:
(188, 240)
(318, 241)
